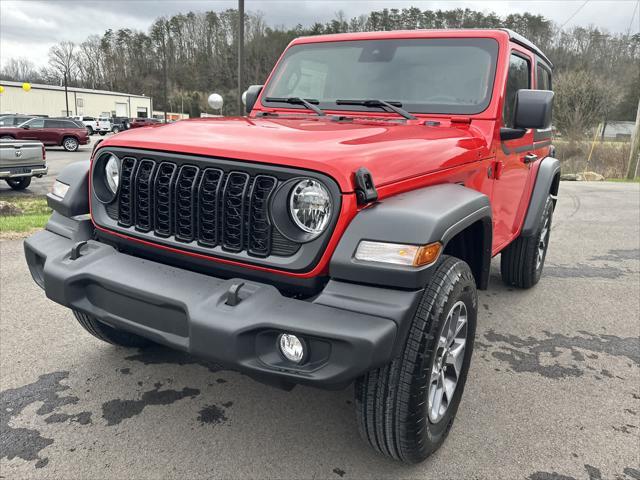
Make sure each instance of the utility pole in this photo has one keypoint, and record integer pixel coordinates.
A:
(632, 172)
(240, 53)
(66, 94)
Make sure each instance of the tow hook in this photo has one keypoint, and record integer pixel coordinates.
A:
(75, 250)
(233, 294)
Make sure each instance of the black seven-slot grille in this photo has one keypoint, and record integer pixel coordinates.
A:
(204, 205)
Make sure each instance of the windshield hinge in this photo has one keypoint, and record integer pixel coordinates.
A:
(365, 189)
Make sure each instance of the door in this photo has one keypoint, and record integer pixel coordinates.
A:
(34, 130)
(121, 110)
(513, 158)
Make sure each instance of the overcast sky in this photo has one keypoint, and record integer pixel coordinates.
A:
(29, 28)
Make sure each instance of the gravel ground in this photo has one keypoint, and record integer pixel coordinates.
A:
(553, 391)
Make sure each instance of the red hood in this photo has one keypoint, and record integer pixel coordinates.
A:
(391, 151)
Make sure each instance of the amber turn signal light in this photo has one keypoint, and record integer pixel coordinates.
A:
(427, 254)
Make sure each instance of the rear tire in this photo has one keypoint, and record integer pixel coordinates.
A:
(19, 183)
(70, 144)
(109, 334)
(521, 263)
(90, 130)
(103, 133)
(115, 129)
(397, 406)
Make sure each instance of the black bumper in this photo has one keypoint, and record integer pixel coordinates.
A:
(349, 329)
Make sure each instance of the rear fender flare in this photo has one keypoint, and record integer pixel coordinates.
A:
(547, 182)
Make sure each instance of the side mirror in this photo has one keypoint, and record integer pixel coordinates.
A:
(251, 96)
(533, 109)
(26, 127)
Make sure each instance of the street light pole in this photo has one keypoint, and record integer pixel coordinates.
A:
(66, 94)
(240, 53)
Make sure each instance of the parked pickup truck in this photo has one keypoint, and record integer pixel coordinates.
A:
(101, 125)
(336, 235)
(20, 160)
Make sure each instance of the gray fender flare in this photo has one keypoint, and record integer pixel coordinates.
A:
(76, 200)
(427, 215)
(547, 182)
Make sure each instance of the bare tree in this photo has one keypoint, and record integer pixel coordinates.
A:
(20, 70)
(63, 60)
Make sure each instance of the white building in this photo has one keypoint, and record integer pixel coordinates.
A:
(51, 100)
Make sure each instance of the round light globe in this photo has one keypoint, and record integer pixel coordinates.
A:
(215, 101)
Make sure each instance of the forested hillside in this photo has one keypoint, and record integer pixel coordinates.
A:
(596, 72)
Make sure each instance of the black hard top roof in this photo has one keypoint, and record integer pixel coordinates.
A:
(520, 40)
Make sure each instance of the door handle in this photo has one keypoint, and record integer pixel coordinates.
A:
(529, 158)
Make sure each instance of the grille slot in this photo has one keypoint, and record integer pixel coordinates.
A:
(208, 207)
(185, 210)
(144, 195)
(163, 189)
(125, 204)
(259, 237)
(233, 213)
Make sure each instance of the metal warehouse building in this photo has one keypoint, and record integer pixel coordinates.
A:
(50, 100)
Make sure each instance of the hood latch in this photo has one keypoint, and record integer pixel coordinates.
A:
(365, 188)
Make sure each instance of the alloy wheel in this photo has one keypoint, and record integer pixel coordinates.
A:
(542, 243)
(447, 363)
(70, 144)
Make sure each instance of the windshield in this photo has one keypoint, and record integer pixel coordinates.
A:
(449, 76)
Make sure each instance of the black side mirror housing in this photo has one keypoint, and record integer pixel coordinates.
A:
(533, 109)
(251, 96)
(25, 127)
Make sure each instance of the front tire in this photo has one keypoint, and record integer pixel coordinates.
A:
(103, 133)
(90, 130)
(115, 129)
(406, 409)
(70, 144)
(109, 334)
(521, 263)
(19, 183)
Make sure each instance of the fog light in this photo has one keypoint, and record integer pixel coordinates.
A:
(292, 347)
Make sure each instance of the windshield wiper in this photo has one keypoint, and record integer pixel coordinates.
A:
(395, 106)
(309, 103)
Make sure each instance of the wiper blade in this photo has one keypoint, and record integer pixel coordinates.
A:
(395, 106)
(309, 103)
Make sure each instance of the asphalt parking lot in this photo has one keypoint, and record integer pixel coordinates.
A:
(553, 392)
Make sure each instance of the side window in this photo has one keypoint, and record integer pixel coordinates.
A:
(56, 124)
(519, 77)
(36, 123)
(543, 78)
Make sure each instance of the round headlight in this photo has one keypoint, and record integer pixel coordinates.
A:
(310, 206)
(112, 173)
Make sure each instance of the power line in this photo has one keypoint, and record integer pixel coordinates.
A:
(633, 15)
(574, 14)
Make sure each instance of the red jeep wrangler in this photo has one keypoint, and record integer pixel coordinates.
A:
(336, 234)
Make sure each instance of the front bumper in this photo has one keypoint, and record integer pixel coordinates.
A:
(27, 171)
(349, 329)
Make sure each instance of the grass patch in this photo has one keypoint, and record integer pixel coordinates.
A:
(35, 214)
